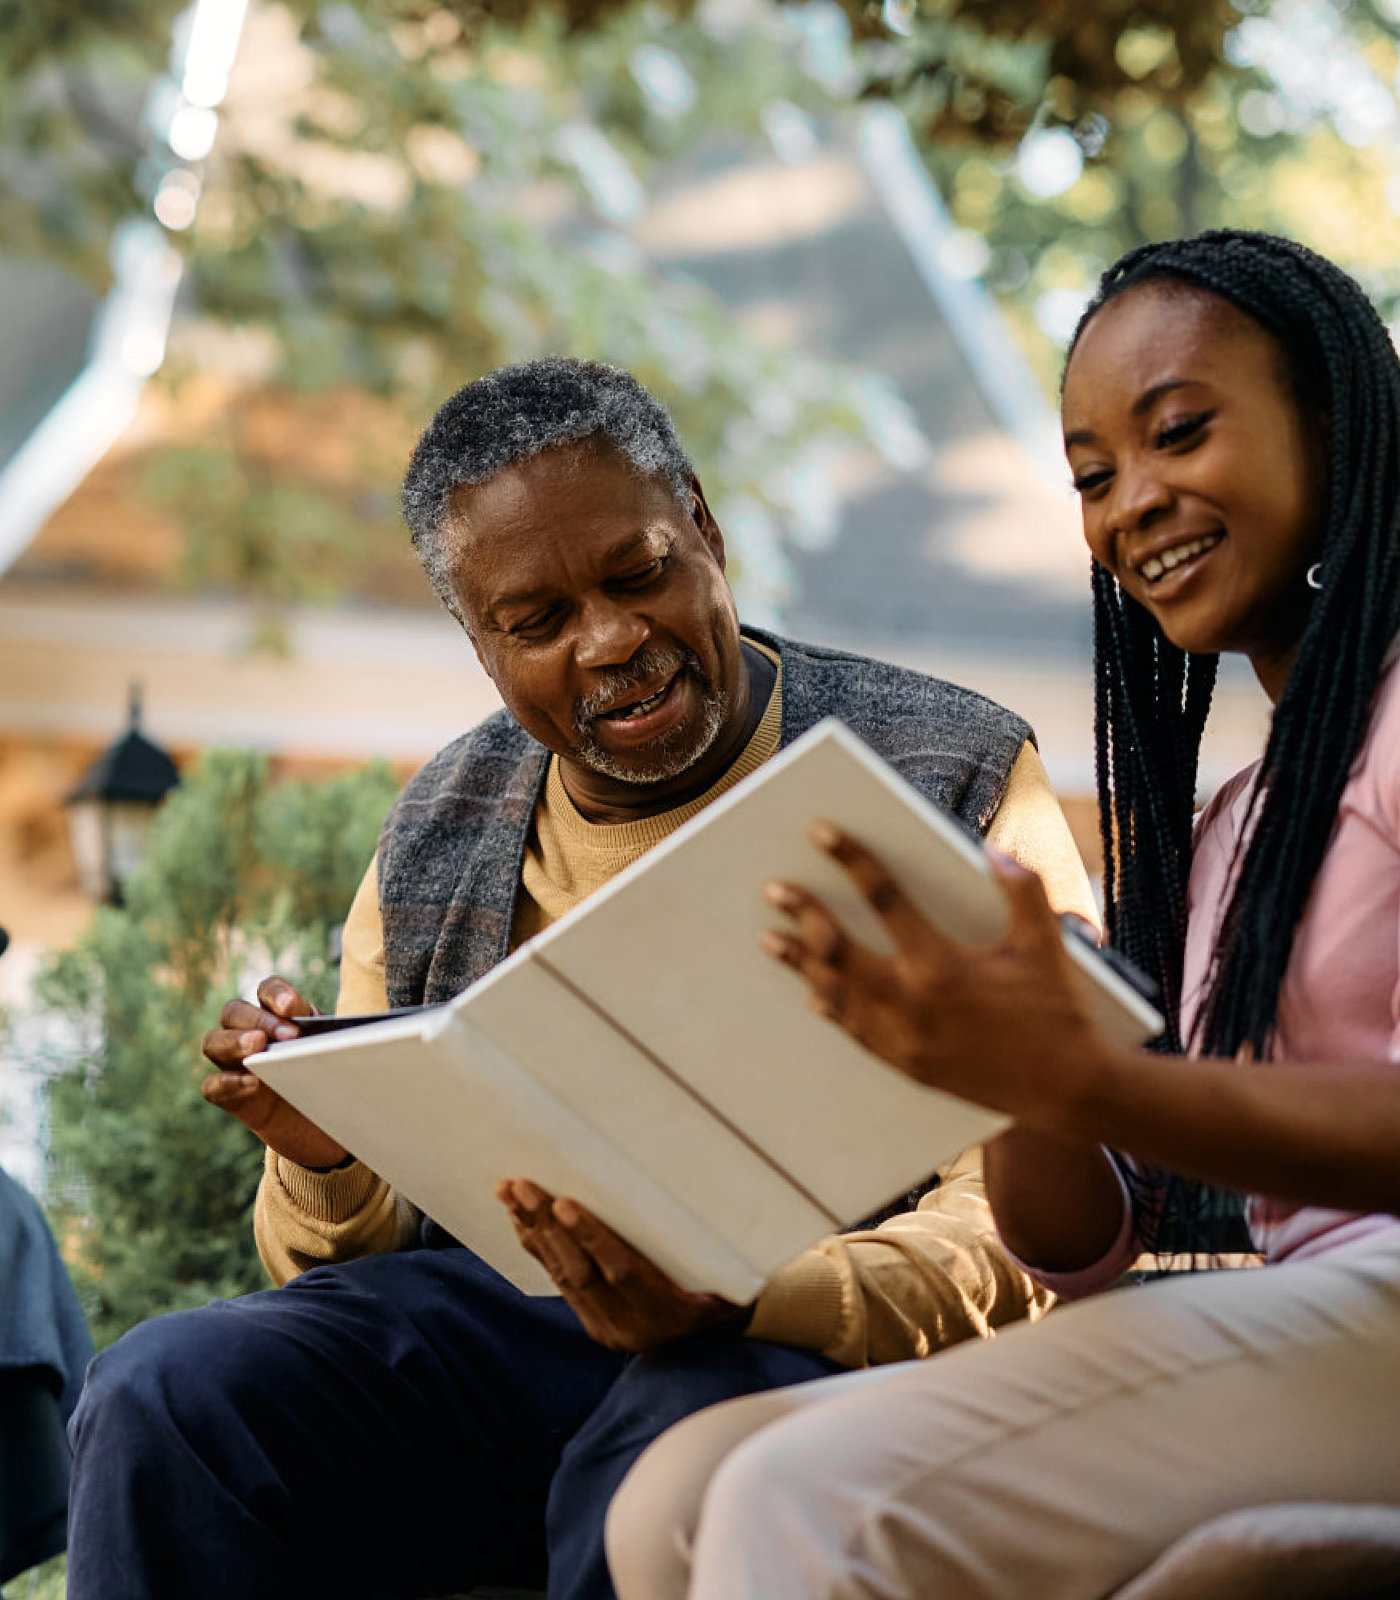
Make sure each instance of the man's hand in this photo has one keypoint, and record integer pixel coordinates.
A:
(624, 1301)
(245, 1029)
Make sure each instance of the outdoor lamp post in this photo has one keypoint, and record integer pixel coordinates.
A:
(111, 810)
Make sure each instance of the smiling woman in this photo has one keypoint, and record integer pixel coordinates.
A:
(1289, 461)
(1232, 418)
(1199, 470)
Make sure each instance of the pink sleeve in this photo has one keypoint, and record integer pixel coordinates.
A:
(1375, 793)
(1099, 1274)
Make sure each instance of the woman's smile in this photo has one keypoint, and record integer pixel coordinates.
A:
(1169, 566)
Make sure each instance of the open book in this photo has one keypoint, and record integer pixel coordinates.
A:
(645, 1057)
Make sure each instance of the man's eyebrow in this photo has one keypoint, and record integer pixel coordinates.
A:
(619, 552)
(516, 597)
(1143, 404)
(628, 547)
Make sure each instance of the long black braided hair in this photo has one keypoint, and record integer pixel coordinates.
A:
(1151, 698)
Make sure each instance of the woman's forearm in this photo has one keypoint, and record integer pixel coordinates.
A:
(1058, 1204)
(1314, 1133)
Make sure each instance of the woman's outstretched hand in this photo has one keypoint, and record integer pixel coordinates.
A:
(1002, 1025)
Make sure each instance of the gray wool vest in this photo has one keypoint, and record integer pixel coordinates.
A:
(451, 848)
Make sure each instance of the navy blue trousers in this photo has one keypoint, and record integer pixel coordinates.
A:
(395, 1428)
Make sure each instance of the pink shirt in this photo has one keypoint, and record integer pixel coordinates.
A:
(1340, 999)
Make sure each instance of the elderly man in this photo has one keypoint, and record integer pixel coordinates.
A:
(396, 1419)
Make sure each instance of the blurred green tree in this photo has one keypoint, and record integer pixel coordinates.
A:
(993, 69)
(149, 1188)
(403, 195)
(1063, 135)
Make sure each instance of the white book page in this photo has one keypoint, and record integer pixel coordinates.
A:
(410, 1104)
(439, 1110)
(734, 1022)
(672, 1140)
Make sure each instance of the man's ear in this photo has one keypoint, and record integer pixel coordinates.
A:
(705, 521)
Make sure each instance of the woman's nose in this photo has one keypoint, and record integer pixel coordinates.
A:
(1140, 495)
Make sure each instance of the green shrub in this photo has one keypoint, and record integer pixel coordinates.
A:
(150, 1189)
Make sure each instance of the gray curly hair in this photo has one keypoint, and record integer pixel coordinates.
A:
(518, 412)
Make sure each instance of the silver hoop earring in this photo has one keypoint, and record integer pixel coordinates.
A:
(1314, 575)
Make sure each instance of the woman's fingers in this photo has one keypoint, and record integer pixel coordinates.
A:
(1032, 923)
(818, 929)
(826, 981)
(834, 965)
(827, 949)
(906, 924)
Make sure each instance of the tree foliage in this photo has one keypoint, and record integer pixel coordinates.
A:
(1277, 115)
(402, 196)
(151, 1188)
(991, 69)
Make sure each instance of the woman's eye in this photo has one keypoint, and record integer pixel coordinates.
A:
(1179, 432)
(1087, 482)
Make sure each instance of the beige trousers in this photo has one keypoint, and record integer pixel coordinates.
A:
(1052, 1463)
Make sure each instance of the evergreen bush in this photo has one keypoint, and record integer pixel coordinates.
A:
(149, 1188)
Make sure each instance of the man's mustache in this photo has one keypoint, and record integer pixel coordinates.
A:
(655, 661)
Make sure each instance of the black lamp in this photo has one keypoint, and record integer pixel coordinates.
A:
(111, 810)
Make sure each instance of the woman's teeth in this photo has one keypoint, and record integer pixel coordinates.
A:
(1156, 566)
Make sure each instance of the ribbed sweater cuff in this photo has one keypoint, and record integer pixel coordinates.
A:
(323, 1196)
(802, 1303)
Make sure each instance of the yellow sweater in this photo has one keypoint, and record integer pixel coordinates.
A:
(921, 1280)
